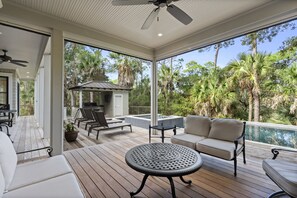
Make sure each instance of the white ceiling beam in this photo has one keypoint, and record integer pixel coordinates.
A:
(267, 15)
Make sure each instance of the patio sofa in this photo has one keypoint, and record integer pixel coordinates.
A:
(50, 177)
(222, 138)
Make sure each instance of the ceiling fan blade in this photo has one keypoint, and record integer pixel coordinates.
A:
(131, 2)
(19, 61)
(19, 64)
(149, 20)
(179, 14)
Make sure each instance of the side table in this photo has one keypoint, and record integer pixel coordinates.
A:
(162, 129)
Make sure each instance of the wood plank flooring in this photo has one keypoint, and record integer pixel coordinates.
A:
(102, 172)
(101, 169)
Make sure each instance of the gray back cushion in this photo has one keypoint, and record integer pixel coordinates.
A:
(225, 129)
(197, 125)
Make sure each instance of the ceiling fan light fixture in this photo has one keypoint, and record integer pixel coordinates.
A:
(176, 12)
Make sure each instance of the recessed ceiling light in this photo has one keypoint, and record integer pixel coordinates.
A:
(0, 33)
(28, 72)
(160, 34)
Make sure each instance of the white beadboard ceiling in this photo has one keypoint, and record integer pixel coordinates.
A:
(125, 21)
(22, 45)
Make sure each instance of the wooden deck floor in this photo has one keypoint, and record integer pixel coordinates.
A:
(102, 172)
(101, 169)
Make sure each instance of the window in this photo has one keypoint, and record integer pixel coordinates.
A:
(3, 90)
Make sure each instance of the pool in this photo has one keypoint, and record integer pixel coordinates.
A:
(272, 135)
(144, 120)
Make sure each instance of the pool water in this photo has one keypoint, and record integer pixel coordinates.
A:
(280, 137)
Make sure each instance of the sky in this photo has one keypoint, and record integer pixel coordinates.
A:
(231, 52)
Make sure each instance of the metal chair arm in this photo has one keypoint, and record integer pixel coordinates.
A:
(275, 151)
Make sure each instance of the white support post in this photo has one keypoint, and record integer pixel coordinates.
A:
(57, 71)
(41, 96)
(154, 95)
(47, 94)
(80, 99)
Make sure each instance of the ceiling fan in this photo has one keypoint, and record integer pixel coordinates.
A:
(5, 58)
(171, 8)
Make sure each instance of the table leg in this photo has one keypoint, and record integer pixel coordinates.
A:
(174, 130)
(162, 135)
(172, 187)
(185, 181)
(141, 186)
(149, 133)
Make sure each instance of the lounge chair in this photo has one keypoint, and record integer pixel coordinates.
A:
(88, 117)
(96, 123)
(105, 126)
(282, 172)
(83, 118)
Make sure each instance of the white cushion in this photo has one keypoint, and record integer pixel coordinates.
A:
(218, 148)
(188, 140)
(283, 173)
(8, 159)
(197, 125)
(58, 187)
(2, 183)
(226, 129)
(40, 170)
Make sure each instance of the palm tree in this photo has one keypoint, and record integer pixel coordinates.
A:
(260, 68)
(209, 93)
(168, 77)
(241, 74)
(127, 68)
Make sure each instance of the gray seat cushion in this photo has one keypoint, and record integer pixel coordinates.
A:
(197, 125)
(283, 173)
(64, 186)
(188, 140)
(218, 148)
(39, 170)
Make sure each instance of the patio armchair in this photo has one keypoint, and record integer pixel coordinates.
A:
(4, 124)
(46, 177)
(282, 172)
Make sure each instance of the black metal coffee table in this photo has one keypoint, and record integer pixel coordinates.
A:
(163, 160)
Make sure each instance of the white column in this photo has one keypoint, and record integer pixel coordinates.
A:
(36, 96)
(41, 96)
(56, 104)
(154, 94)
(80, 99)
(47, 92)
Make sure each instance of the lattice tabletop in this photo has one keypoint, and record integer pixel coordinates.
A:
(162, 159)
